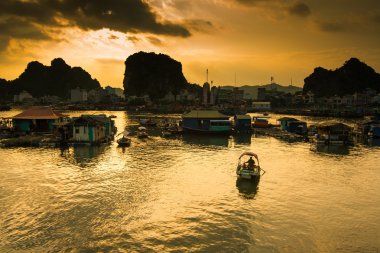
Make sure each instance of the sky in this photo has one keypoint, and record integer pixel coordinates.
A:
(252, 40)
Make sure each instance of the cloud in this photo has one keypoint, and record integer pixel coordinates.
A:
(154, 40)
(20, 29)
(113, 37)
(200, 25)
(281, 7)
(133, 39)
(329, 26)
(123, 16)
(299, 9)
(376, 18)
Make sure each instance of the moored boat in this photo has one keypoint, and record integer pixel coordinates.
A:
(247, 167)
(141, 133)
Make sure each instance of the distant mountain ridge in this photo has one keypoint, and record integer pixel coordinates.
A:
(252, 89)
(56, 80)
(353, 76)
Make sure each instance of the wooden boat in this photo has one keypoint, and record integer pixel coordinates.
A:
(124, 141)
(141, 133)
(248, 169)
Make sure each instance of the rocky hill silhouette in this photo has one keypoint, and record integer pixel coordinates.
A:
(353, 76)
(153, 74)
(56, 80)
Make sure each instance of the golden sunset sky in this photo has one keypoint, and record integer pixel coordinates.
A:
(255, 39)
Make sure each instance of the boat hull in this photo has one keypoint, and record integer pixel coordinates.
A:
(248, 174)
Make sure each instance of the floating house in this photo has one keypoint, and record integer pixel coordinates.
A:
(242, 123)
(332, 133)
(293, 125)
(297, 127)
(37, 119)
(92, 129)
(285, 121)
(200, 121)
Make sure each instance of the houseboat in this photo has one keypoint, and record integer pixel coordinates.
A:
(332, 133)
(37, 119)
(92, 129)
(213, 122)
(293, 125)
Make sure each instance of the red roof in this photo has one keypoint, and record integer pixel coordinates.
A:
(39, 113)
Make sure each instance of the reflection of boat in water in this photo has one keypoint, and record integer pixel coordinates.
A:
(141, 133)
(332, 149)
(206, 140)
(243, 138)
(247, 187)
(124, 141)
(248, 169)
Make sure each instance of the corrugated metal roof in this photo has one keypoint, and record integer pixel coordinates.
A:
(39, 113)
(200, 114)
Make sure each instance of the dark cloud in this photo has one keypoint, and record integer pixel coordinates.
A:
(254, 2)
(200, 25)
(3, 43)
(21, 29)
(133, 39)
(328, 26)
(299, 9)
(154, 40)
(124, 16)
(376, 18)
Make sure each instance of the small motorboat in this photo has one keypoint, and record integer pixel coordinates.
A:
(141, 133)
(248, 168)
(124, 141)
(147, 122)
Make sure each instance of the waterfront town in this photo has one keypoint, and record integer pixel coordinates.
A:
(190, 126)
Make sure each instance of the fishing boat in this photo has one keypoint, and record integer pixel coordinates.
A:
(124, 141)
(141, 133)
(147, 122)
(249, 167)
